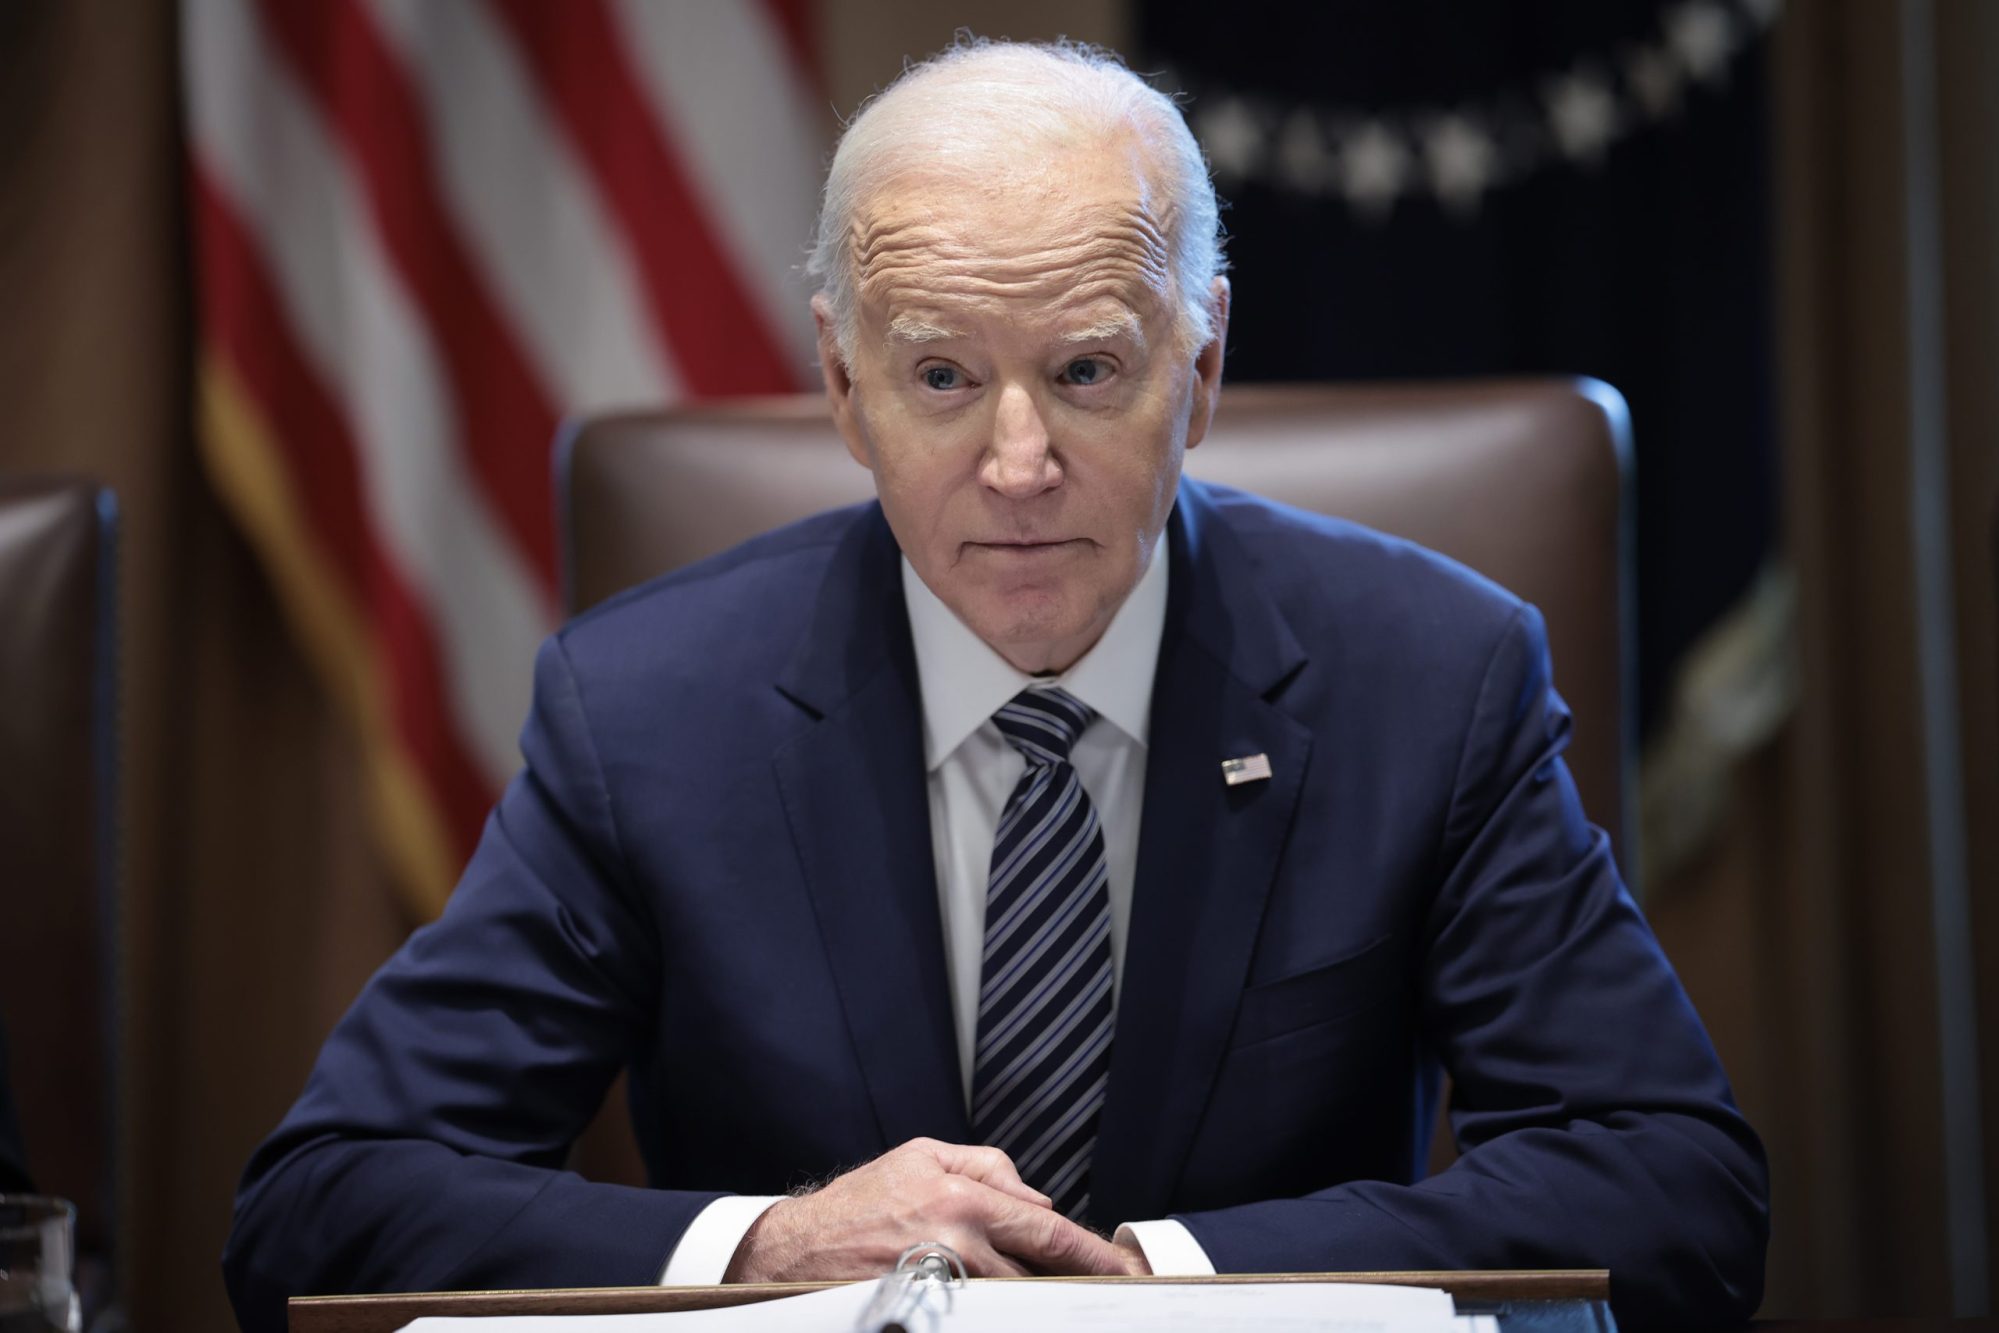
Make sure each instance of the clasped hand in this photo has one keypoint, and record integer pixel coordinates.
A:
(857, 1225)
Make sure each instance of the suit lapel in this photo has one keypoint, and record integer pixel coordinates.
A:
(854, 795)
(1206, 858)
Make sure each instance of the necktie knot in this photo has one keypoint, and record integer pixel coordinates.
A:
(1043, 723)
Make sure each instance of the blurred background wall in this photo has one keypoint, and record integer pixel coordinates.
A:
(1821, 705)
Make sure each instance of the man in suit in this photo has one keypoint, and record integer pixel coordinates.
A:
(835, 841)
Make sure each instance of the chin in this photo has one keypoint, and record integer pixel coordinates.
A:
(1024, 620)
(1027, 639)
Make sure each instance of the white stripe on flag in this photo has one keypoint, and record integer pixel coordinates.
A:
(261, 139)
(529, 211)
(725, 90)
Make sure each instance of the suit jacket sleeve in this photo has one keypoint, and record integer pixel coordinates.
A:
(1595, 1126)
(426, 1151)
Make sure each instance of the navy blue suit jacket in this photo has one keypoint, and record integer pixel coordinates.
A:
(716, 871)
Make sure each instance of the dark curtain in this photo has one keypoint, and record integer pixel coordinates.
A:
(1583, 189)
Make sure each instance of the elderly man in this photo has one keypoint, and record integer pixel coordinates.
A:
(894, 850)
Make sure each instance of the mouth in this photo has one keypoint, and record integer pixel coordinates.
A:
(1011, 547)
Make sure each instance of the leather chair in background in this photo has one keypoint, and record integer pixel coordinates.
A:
(1521, 480)
(57, 847)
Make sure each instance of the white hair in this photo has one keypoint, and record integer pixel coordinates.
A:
(978, 100)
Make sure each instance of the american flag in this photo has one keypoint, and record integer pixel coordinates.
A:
(426, 231)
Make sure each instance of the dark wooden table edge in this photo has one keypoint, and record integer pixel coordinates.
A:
(386, 1313)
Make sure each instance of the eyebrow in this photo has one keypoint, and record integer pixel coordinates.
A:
(1123, 324)
(906, 328)
(912, 329)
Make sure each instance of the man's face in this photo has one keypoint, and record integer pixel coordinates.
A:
(1021, 394)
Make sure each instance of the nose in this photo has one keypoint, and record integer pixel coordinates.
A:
(1020, 461)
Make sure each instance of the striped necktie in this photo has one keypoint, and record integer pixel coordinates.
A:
(1044, 1046)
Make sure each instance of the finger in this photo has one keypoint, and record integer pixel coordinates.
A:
(988, 1166)
(982, 1260)
(1136, 1262)
(1048, 1242)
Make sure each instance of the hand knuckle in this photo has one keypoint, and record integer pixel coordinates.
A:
(939, 1196)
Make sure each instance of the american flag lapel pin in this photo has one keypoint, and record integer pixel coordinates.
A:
(1249, 768)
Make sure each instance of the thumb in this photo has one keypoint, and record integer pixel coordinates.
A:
(1053, 1245)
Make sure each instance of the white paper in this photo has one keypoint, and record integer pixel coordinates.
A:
(988, 1307)
(836, 1308)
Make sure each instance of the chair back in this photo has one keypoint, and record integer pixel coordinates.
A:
(1521, 480)
(57, 906)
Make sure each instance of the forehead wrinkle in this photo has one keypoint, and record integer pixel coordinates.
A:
(923, 295)
(904, 258)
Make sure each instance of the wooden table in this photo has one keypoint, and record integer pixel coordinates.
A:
(1579, 1289)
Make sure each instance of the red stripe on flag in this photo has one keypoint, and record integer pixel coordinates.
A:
(506, 416)
(702, 311)
(243, 317)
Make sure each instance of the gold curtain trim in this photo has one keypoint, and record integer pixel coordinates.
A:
(1734, 689)
(235, 439)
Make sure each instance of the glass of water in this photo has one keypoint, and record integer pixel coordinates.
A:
(38, 1265)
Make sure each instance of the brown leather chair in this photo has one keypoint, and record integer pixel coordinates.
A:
(1521, 480)
(57, 860)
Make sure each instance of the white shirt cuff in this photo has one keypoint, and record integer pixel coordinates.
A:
(710, 1241)
(1168, 1247)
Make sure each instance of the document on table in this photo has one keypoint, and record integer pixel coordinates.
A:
(982, 1307)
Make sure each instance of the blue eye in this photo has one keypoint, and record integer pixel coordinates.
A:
(1085, 370)
(941, 377)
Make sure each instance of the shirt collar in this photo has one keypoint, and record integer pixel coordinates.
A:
(964, 682)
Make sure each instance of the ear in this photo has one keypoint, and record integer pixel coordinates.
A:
(839, 382)
(1208, 365)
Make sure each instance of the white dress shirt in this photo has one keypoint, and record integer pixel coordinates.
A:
(972, 770)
